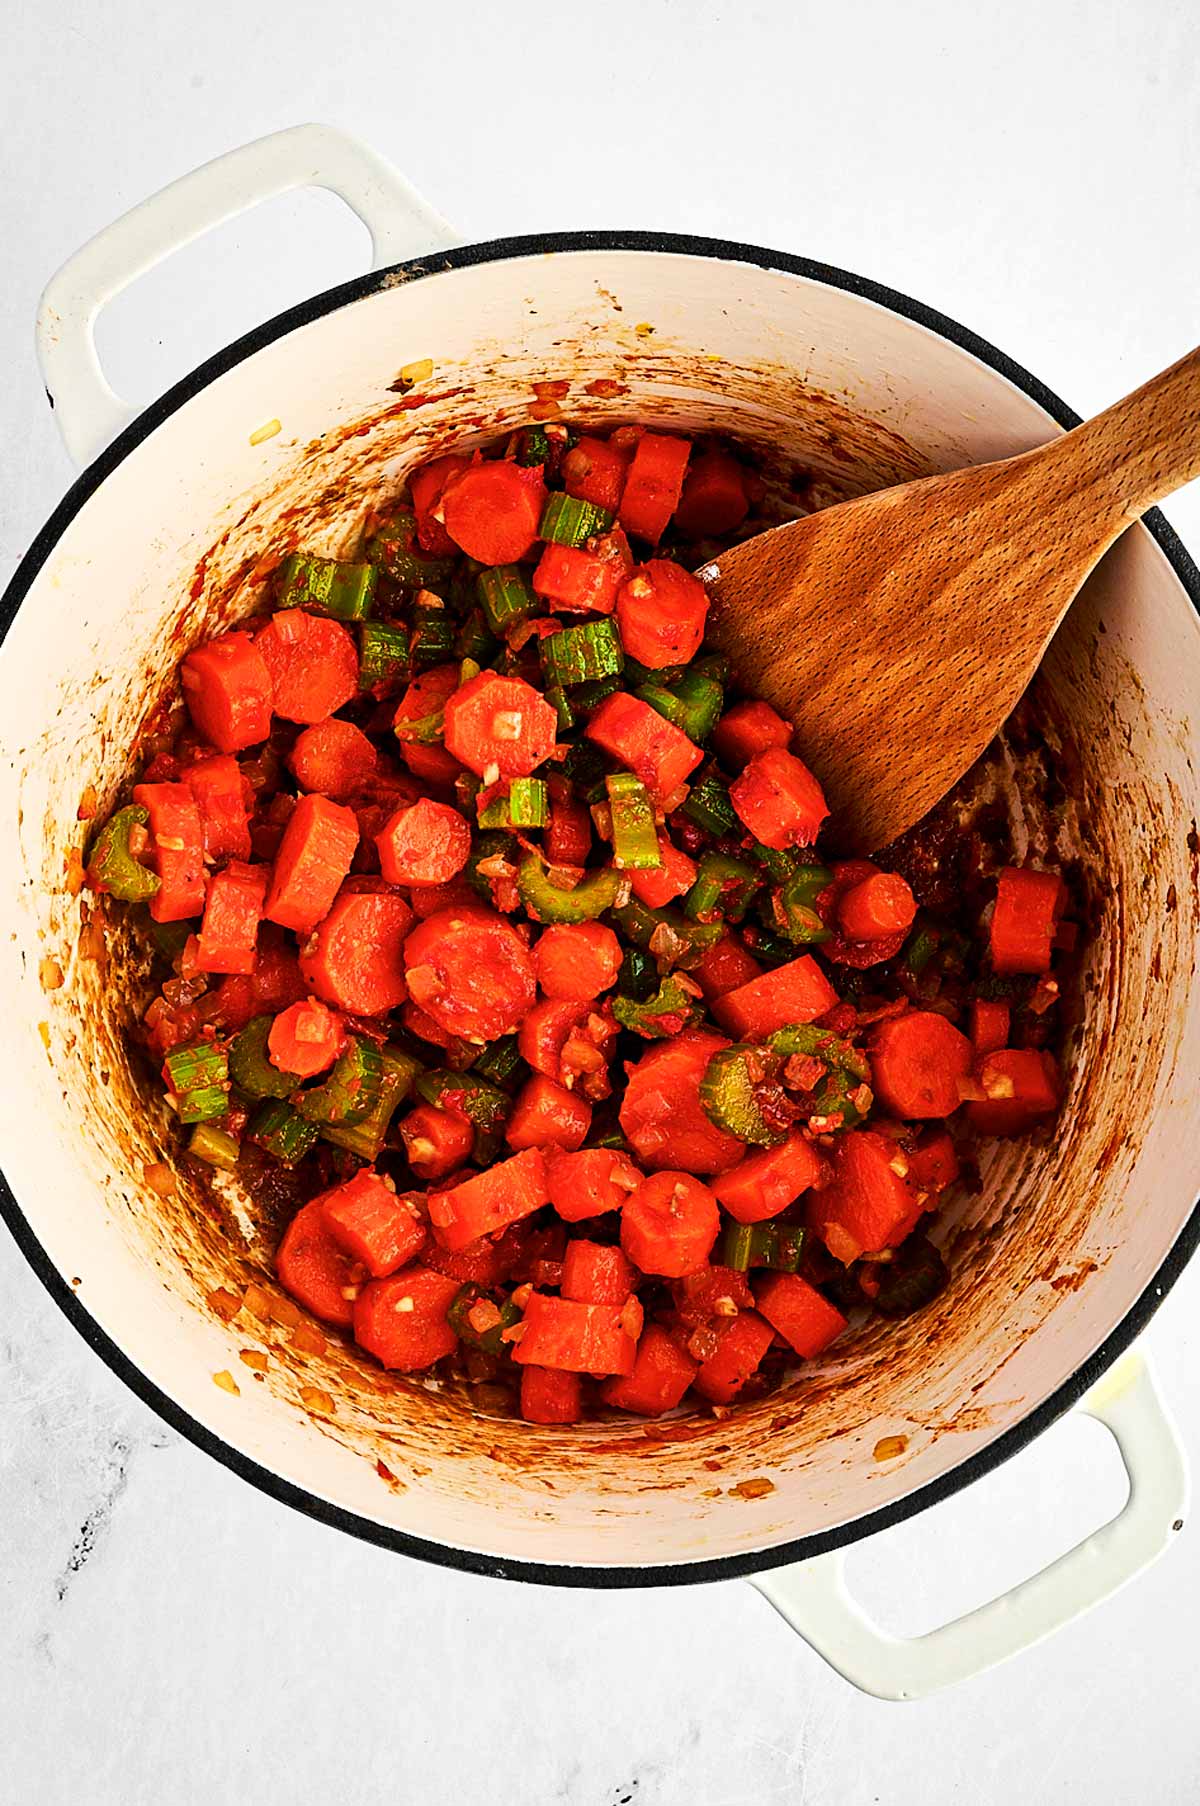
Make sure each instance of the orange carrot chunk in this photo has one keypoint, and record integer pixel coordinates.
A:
(662, 1117)
(372, 1224)
(471, 972)
(547, 1115)
(653, 485)
(802, 1315)
(880, 906)
(223, 798)
(738, 1354)
(306, 1038)
(436, 1141)
(1025, 919)
(402, 1320)
(577, 960)
(228, 691)
(314, 1267)
(490, 1200)
(748, 728)
(871, 1202)
(313, 664)
(916, 1063)
(590, 1182)
(550, 1396)
(424, 843)
(500, 724)
(661, 611)
(779, 800)
(177, 838)
(770, 1179)
(314, 857)
(335, 758)
(491, 512)
(232, 912)
(661, 884)
(582, 1338)
(593, 1273)
(796, 992)
(669, 1224)
(660, 1376)
(653, 748)
(1021, 1087)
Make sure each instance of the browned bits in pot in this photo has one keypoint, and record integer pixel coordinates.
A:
(313, 1399)
(888, 1447)
(88, 803)
(225, 1303)
(604, 387)
(51, 974)
(73, 868)
(254, 1359)
(92, 944)
(552, 391)
(159, 1177)
(285, 1313)
(307, 1339)
(226, 1382)
(258, 1303)
(752, 1489)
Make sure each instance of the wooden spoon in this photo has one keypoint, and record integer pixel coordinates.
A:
(898, 631)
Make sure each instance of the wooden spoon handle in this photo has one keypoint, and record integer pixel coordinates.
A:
(1146, 446)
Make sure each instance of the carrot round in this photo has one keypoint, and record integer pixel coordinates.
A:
(578, 581)
(425, 843)
(314, 857)
(577, 960)
(662, 1117)
(594, 471)
(373, 1224)
(550, 1395)
(661, 611)
(313, 1266)
(738, 1355)
(547, 1115)
(880, 906)
(355, 960)
(916, 1063)
(427, 486)
(402, 1320)
(779, 799)
(435, 1141)
(661, 1375)
(228, 690)
(306, 1038)
(594, 1273)
(334, 758)
(669, 1224)
(714, 498)
(313, 664)
(590, 1183)
(770, 1179)
(1025, 919)
(748, 728)
(491, 513)
(471, 972)
(500, 724)
(653, 485)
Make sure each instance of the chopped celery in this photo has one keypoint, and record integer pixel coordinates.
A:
(666, 933)
(634, 837)
(113, 865)
(433, 635)
(568, 521)
(533, 446)
(394, 548)
(214, 1146)
(708, 805)
(346, 591)
(582, 653)
(595, 892)
(723, 887)
(638, 977)
(500, 1063)
(250, 1067)
(794, 908)
(475, 638)
(589, 696)
(774, 1245)
(351, 1089)
(780, 863)
(737, 1247)
(276, 1127)
(842, 1095)
(505, 596)
(493, 843)
(731, 1093)
(560, 702)
(692, 702)
(526, 804)
(382, 653)
(203, 1103)
(366, 1138)
(669, 1011)
(196, 1066)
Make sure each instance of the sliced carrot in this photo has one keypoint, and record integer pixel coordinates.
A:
(420, 716)
(490, 1200)
(779, 800)
(577, 581)
(436, 1141)
(335, 758)
(738, 1355)
(491, 512)
(725, 967)
(313, 859)
(471, 972)
(355, 960)
(590, 1183)
(313, 664)
(594, 471)
(653, 485)
(802, 1315)
(916, 1062)
(662, 1117)
(232, 912)
(714, 498)
(427, 486)
(660, 1376)
(933, 1162)
(547, 1115)
(653, 748)
(594, 1273)
(228, 691)
(314, 1267)
(661, 884)
(1025, 919)
(1021, 1087)
(989, 1026)
(661, 611)
(223, 798)
(402, 1320)
(550, 1396)
(669, 1224)
(306, 1038)
(770, 1179)
(577, 960)
(372, 1223)
(582, 1338)
(177, 837)
(746, 729)
(879, 907)
(795, 992)
(432, 764)
(425, 843)
(500, 724)
(871, 1203)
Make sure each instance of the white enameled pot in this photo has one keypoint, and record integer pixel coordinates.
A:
(1055, 1268)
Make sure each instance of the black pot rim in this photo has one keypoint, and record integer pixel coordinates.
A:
(274, 1485)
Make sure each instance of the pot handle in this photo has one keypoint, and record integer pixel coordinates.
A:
(401, 225)
(813, 1598)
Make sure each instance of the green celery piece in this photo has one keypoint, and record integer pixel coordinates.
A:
(668, 1012)
(485, 1107)
(638, 977)
(459, 1314)
(475, 638)
(686, 941)
(366, 1138)
(505, 596)
(568, 521)
(327, 585)
(728, 1092)
(382, 653)
(526, 805)
(433, 636)
(584, 653)
(196, 1066)
(724, 886)
(500, 1064)
(533, 446)
(395, 549)
(634, 836)
(844, 1092)
(203, 1103)
(251, 1069)
(283, 1134)
(691, 703)
(737, 1247)
(491, 844)
(111, 864)
(708, 805)
(560, 702)
(595, 892)
(216, 1147)
(351, 1089)
(922, 946)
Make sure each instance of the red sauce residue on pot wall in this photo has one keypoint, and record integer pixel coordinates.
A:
(1041, 1243)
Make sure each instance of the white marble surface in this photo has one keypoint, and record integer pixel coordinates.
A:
(166, 1634)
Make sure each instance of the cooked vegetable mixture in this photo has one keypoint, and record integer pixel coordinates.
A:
(498, 929)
